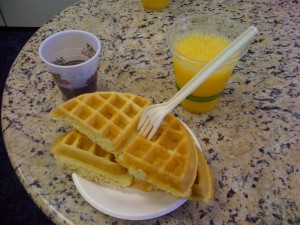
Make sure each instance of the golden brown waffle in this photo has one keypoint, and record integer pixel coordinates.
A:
(107, 118)
(142, 185)
(76, 153)
(202, 188)
(168, 161)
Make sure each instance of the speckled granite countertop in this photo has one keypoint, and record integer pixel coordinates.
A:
(251, 140)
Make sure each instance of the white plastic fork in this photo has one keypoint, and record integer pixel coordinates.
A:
(154, 114)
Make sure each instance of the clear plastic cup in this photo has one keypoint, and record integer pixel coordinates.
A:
(186, 65)
(72, 56)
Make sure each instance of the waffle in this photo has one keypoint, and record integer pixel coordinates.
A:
(76, 153)
(107, 118)
(142, 185)
(202, 189)
(168, 161)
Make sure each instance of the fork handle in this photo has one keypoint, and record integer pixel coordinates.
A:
(211, 67)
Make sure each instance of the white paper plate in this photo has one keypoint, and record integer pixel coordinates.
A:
(128, 203)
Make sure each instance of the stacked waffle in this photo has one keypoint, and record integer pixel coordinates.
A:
(106, 148)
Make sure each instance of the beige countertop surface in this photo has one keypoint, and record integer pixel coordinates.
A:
(250, 140)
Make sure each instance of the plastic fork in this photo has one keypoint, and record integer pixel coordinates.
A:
(154, 114)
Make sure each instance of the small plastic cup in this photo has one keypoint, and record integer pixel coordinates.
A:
(72, 56)
(207, 95)
(155, 4)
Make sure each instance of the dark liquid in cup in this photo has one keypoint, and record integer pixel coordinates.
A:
(71, 93)
(71, 63)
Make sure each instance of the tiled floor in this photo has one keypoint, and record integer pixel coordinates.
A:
(16, 207)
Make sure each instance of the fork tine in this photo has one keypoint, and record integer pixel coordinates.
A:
(153, 131)
(140, 125)
(155, 127)
(146, 124)
(142, 121)
(150, 121)
(148, 129)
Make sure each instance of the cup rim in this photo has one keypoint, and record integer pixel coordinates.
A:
(236, 24)
(69, 31)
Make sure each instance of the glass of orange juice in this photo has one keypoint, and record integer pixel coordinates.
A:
(155, 4)
(194, 41)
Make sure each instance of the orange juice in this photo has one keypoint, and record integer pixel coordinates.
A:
(155, 4)
(198, 49)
